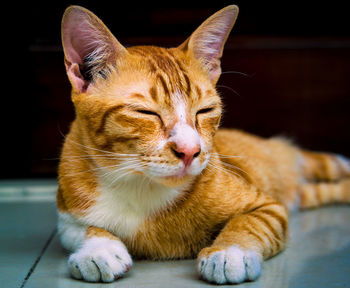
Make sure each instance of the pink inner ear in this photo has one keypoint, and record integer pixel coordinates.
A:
(82, 35)
(79, 38)
(209, 50)
(76, 78)
(214, 40)
(208, 40)
(77, 44)
(212, 50)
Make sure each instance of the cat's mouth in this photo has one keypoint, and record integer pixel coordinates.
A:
(184, 174)
(179, 173)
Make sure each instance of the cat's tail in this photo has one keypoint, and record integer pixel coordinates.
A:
(324, 166)
(322, 193)
(327, 179)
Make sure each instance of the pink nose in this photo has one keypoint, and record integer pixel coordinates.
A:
(187, 154)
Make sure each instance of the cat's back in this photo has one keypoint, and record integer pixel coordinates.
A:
(234, 140)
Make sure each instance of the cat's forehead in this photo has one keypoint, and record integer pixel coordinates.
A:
(167, 67)
(164, 75)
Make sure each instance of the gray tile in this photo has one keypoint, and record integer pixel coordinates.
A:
(24, 190)
(24, 230)
(318, 256)
(52, 272)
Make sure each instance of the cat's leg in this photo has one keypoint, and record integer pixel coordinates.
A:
(324, 166)
(322, 193)
(237, 253)
(97, 254)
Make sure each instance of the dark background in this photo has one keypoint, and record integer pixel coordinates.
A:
(294, 56)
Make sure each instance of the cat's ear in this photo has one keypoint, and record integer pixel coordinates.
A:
(89, 47)
(207, 42)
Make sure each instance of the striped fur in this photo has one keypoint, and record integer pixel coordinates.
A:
(124, 186)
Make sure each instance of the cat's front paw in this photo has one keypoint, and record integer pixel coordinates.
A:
(230, 266)
(100, 259)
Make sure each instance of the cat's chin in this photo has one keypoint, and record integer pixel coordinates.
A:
(174, 180)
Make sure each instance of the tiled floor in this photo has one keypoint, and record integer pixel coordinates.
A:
(31, 256)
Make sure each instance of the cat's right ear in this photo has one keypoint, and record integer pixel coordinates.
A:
(89, 47)
(207, 42)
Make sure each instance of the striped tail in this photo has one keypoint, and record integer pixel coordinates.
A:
(317, 194)
(327, 179)
(325, 166)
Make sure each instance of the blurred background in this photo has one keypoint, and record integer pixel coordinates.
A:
(286, 71)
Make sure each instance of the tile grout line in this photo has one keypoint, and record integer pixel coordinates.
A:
(31, 270)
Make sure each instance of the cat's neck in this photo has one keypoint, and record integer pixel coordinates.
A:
(130, 200)
(140, 188)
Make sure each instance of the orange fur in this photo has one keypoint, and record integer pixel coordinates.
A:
(99, 232)
(243, 195)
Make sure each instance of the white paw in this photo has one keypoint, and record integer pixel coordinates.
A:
(100, 259)
(232, 265)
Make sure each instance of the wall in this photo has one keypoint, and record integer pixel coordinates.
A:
(286, 72)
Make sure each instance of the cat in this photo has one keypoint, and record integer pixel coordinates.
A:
(145, 171)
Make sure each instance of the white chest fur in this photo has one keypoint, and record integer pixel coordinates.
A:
(122, 206)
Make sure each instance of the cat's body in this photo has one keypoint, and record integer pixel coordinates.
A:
(144, 170)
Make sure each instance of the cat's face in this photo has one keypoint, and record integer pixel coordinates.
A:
(148, 110)
(157, 106)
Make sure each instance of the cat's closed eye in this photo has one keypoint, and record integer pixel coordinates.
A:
(148, 112)
(205, 110)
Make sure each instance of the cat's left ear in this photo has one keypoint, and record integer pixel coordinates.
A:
(206, 43)
(89, 47)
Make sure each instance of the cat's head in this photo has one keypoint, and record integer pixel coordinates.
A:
(156, 108)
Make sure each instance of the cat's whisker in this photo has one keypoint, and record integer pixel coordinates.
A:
(208, 168)
(149, 177)
(110, 173)
(129, 170)
(52, 159)
(226, 156)
(217, 168)
(100, 150)
(93, 169)
(230, 165)
(101, 157)
(104, 155)
(237, 72)
(228, 172)
(229, 88)
(223, 169)
(84, 146)
(126, 168)
(235, 167)
(119, 177)
(120, 167)
(81, 172)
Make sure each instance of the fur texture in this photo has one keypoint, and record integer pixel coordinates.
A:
(145, 171)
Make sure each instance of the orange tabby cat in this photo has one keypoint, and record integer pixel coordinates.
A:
(145, 172)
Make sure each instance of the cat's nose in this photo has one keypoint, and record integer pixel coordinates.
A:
(186, 153)
(185, 142)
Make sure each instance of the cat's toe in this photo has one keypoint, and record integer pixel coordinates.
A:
(213, 268)
(83, 267)
(100, 259)
(232, 265)
(252, 264)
